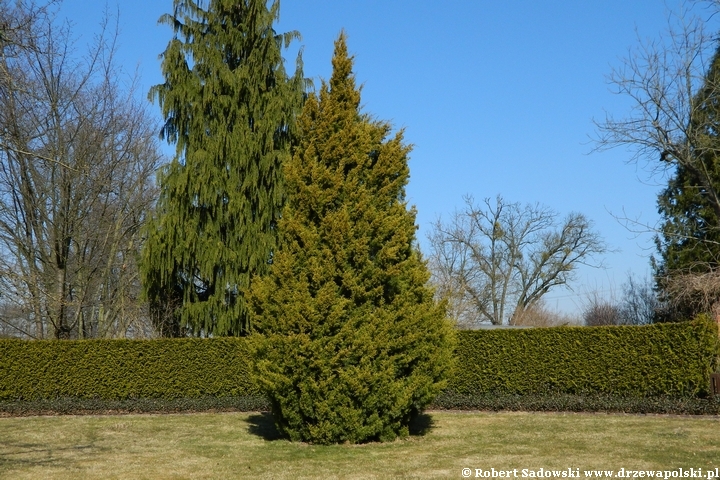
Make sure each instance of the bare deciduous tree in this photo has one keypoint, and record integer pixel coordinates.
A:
(673, 83)
(690, 292)
(77, 156)
(17, 22)
(601, 313)
(540, 315)
(640, 303)
(667, 125)
(494, 262)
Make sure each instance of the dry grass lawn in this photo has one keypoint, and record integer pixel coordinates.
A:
(245, 445)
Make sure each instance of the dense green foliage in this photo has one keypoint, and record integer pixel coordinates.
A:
(690, 232)
(659, 368)
(353, 344)
(651, 360)
(690, 229)
(229, 108)
(125, 369)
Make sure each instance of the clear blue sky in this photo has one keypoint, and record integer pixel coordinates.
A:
(496, 97)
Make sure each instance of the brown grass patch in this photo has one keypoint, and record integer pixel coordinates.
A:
(246, 445)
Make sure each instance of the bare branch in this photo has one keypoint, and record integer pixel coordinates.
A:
(77, 157)
(496, 261)
(666, 127)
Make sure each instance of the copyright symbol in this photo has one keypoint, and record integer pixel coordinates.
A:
(466, 472)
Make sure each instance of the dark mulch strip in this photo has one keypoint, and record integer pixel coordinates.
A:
(446, 401)
(82, 406)
(578, 403)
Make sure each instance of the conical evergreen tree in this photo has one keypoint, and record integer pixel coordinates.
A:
(230, 109)
(689, 240)
(690, 230)
(351, 343)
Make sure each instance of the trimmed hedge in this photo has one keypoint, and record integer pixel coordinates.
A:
(125, 369)
(672, 359)
(660, 368)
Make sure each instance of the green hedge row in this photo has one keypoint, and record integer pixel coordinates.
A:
(125, 369)
(664, 360)
(672, 359)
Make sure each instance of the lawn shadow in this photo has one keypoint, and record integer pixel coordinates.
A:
(263, 425)
(421, 424)
(20, 455)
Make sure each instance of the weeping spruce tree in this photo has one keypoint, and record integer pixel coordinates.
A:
(351, 345)
(229, 108)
